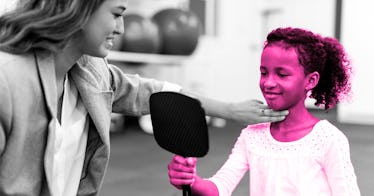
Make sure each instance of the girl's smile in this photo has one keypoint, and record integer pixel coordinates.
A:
(270, 95)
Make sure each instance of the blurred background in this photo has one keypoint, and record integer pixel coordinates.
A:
(219, 54)
(213, 47)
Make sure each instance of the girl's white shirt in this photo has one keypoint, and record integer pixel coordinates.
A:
(317, 164)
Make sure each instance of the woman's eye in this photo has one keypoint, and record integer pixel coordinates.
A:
(116, 15)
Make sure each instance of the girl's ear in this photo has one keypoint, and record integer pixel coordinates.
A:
(311, 80)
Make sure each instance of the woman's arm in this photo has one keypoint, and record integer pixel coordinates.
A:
(247, 112)
(132, 94)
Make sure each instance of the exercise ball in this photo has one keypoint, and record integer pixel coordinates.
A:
(141, 34)
(180, 30)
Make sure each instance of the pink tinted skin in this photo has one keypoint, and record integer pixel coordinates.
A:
(284, 86)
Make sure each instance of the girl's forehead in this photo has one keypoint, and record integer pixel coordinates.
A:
(279, 52)
(277, 56)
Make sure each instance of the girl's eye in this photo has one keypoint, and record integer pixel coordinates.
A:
(263, 72)
(283, 75)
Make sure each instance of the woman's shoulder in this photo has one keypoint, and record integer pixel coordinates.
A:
(7, 58)
(17, 66)
(91, 62)
(87, 59)
(97, 66)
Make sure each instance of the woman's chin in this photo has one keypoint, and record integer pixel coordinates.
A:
(101, 53)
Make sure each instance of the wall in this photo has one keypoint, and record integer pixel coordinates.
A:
(357, 37)
(6, 5)
(149, 7)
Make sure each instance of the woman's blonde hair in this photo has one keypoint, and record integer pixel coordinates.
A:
(45, 25)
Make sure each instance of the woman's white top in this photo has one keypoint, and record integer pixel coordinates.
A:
(66, 148)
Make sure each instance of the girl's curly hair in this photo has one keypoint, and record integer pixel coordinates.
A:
(322, 54)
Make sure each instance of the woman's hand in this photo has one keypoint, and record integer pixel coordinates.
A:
(182, 171)
(254, 111)
(246, 112)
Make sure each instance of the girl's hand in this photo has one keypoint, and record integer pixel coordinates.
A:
(182, 171)
(254, 111)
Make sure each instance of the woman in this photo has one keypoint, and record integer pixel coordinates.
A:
(57, 94)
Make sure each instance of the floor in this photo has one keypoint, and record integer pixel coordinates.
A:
(138, 166)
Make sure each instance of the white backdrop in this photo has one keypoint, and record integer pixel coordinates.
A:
(357, 37)
(7, 5)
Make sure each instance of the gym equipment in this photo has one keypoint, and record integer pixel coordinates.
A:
(179, 125)
(141, 34)
(180, 30)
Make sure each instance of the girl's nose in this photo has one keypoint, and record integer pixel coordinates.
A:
(269, 82)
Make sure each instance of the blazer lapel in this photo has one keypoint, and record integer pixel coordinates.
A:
(96, 101)
(46, 68)
(47, 74)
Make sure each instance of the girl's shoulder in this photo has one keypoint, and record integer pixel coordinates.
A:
(329, 132)
(259, 129)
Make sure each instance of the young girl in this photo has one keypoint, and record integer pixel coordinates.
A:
(57, 93)
(301, 155)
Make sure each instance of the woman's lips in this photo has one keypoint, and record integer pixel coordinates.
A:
(109, 43)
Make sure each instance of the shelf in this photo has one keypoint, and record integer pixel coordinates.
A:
(145, 58)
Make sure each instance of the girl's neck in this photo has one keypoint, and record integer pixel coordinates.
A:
(298, 123)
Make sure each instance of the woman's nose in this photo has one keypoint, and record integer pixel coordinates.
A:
(119, 29)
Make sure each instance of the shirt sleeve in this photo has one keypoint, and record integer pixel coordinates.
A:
(338, 167)
(132, 92)
(229, 175)
(168, 86)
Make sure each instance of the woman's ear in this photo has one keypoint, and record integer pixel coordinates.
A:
(311, 80)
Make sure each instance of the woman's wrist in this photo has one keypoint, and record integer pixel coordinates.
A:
(230, 111)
